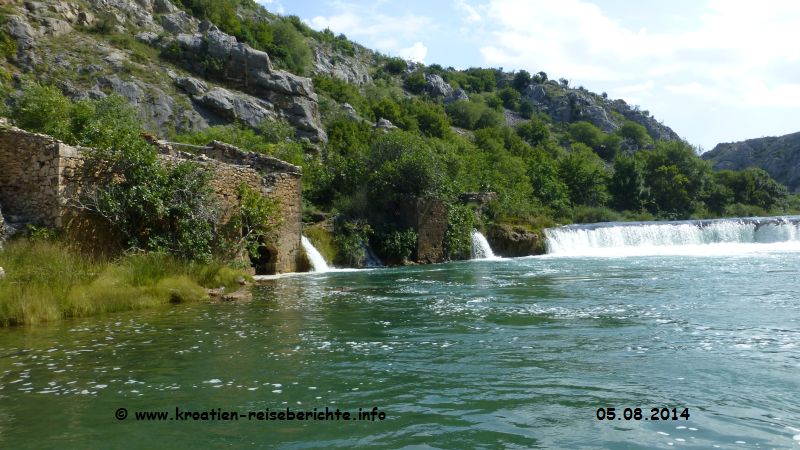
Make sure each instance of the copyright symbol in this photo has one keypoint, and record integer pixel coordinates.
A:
(121, 413)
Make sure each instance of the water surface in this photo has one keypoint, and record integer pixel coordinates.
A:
(515, 353)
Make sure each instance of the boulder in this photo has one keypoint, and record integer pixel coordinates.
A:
(237, 107)
(458, 94)
(436, 86)
(192, 86)
(147, 37)
(513, 240)
(384, 124)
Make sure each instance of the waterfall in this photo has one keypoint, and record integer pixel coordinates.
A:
(480, 247)
(318, 263)
(684, 237)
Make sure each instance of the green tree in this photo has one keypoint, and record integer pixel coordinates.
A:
(627, 186)
(585, 175)
(415, 82)
(586, 133)
(521, 80)
(534, 131)
(635, 134)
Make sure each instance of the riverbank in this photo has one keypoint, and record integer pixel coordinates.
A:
(47, 281)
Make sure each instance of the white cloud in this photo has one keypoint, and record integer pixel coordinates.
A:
(398, 35)
(724, 58)
(470, 13)
(416, 52)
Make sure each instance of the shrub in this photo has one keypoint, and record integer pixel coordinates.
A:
(351, 237)
(397, 246)
(415, 82)
(289, 45)
(458, 238)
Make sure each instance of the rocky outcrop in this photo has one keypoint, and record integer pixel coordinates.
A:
(435, 86)
(513, 241)
(565, 104)
(352, 69)
(779, 156)
(458, 94)
(213, 54)
(153, 104)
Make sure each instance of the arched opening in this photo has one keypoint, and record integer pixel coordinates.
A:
(264, 263)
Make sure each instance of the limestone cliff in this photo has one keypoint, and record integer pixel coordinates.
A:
(567, 104)
(779, 156)
(89, 50)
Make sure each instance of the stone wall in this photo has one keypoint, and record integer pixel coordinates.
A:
(272, 177)
(40, 177)
(429, 219)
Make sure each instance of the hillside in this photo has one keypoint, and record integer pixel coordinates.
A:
(377, 137)
(779, 156)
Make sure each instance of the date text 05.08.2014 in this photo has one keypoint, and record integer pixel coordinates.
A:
(662, 413)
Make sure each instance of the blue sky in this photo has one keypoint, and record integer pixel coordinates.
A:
(713, 70)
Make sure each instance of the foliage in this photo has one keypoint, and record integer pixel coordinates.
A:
(458, 238)
(397, 246)
(593, 214)
(290, 46)
(275, 138)
(534, 131)
(521, 80)
(511, 98)
(627, 186)
(395, 66)
(473, 115)
(45, 110)
(342, 92)
(401, 164)
(415, 82)
(8, 46)
(635, 134)
(585, 176)
(257, 217)
(351, 237)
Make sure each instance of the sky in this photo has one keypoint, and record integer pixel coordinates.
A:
(712, 70)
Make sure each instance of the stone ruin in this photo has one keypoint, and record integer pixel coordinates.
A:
(39, 176)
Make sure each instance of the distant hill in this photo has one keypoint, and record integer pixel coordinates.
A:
(779, 156)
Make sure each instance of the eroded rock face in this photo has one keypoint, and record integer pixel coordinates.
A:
(215, 54)
(153, 104)
(346, 68)
(566, 104)
(779, 156)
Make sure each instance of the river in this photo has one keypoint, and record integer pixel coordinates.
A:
(514, 353)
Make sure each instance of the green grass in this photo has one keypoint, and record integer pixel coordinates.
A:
(48, 281)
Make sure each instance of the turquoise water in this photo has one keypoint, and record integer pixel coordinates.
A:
(513, 353)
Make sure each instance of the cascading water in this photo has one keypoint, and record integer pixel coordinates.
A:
(318, 263)
(685, 237)
(480, 247)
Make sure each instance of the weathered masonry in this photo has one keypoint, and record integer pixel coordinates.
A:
(39, 175)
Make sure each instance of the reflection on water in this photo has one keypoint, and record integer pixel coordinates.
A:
(511, 353)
